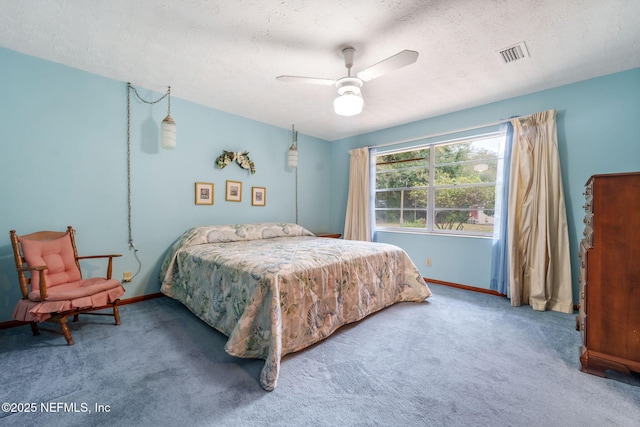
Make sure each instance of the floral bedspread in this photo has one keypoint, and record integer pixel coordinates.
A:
(274, 289)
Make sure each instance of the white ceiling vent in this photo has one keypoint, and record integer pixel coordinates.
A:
(513, 53)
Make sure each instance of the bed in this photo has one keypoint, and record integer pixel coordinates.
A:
(274, 289)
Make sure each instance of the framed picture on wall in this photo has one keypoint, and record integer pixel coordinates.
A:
(258, 196)
(204, 193)
(234, 191)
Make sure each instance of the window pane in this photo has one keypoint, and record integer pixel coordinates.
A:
(388, 218)
(466, 173)
(452, 153)
(466, 197)
(408, 218)
(402, 170)
(467, 162)
(403, 178)
(401, 208)
(415, 199)
(388, 199)
(414, 218)
(469, 221)
(450, 220)
(486, 148)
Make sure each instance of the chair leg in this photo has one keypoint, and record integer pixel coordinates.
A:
(34, 329)
(116, 312)
(65, 331)
(76, 317)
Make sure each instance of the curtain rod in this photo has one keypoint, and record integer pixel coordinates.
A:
(499, 122)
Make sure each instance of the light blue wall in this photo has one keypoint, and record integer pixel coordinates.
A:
(63, 161)
(598, 125)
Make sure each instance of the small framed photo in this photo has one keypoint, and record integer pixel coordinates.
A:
(204, 193)
(258, 196)
(234, 191)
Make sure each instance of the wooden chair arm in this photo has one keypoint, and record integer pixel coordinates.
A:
(38, 268)
(110, 264)
(100, 256)
(42, 283)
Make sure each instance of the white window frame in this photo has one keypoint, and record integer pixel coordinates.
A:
(431, 210)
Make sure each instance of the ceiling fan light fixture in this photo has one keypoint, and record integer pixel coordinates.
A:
(350, 101)
(349, 84)
(348, 104)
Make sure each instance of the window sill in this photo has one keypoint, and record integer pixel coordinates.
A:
(431, 233)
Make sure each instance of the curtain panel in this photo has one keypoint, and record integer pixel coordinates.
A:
(357, 224)
(538, 238)
(500, 252)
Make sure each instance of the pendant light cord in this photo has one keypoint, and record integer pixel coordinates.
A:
(294, 147)
(130, 229)
(167, 93)
(131, 243)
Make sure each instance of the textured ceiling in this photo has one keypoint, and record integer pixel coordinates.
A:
(226, 54)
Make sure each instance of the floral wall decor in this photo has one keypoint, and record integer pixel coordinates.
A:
(241, 158)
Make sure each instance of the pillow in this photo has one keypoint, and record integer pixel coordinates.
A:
(267, 230)
(239, 232)
(57, 255)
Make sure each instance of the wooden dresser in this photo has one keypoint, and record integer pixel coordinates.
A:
(609, 313)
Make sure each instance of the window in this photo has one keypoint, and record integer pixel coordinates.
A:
(446, 187)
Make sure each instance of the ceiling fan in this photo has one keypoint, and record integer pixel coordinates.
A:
(350, 102)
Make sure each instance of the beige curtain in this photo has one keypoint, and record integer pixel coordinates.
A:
(357, 224)
(538, 239)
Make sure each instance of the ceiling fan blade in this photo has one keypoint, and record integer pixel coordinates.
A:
(385, 66)
(308, 80)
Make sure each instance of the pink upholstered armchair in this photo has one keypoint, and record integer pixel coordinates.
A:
(56, 289)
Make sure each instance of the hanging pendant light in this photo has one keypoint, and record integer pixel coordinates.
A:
(292, 157)
(168, 128)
